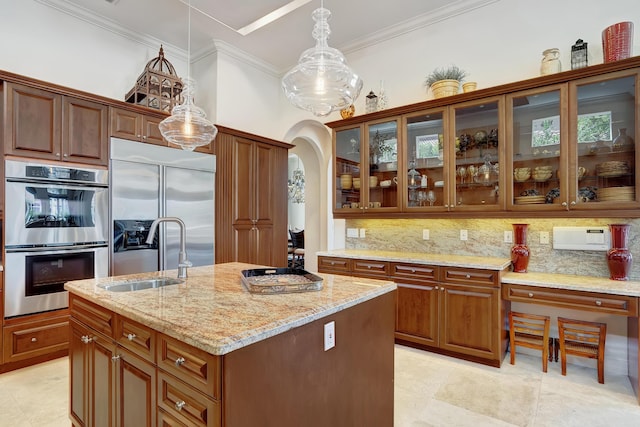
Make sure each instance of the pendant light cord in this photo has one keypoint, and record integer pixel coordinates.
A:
(189, 41)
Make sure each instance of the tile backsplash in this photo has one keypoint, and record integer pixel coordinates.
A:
(486, 238)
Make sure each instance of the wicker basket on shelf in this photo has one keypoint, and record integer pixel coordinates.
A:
(444, 88)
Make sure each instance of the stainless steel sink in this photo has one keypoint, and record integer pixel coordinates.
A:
(138, 285)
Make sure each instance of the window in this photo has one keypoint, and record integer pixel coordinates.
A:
(591, 128)
(427, 146)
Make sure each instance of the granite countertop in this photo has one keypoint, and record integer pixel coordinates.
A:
(571, 282)
(447, 260)
(213, 311)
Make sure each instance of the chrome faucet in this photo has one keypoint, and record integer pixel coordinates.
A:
(183, 263)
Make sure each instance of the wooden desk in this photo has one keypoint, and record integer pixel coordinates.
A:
(592, 294)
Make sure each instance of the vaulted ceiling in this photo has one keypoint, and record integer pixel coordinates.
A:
(354, 23)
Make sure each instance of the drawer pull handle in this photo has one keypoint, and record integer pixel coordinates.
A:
(115, 358)
(413, 270)
(34, 339)
(468, 276)
(333, 263)
(86, 339)
(180, 405)
(530, 294)
(180, 361)
(598, 303)
(131, 337)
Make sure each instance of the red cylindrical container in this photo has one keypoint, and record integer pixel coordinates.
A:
(617, 41)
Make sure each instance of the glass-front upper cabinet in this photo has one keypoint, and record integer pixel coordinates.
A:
(603, 129)
(424, 160)
(348, 147)
(476, 150)
(382, 163)
(537, 173)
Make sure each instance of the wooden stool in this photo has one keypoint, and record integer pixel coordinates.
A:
(584, 339)
(529, 330)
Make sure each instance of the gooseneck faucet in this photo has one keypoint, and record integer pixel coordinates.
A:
(183, 263)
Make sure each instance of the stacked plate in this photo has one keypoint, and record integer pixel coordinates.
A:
(529, 200)
(612, 168)
(617, 194)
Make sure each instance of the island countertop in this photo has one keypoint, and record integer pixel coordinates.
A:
(213, 311)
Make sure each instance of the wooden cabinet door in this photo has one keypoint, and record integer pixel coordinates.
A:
(136, 385)
(470, 320)
(151, 132)
(417, 313)
(125, 124)
(33, 125)
(85, 132)
(92, 399)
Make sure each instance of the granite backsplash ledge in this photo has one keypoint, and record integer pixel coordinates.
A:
(486, 238)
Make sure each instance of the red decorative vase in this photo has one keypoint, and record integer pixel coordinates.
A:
(617, 41)
(520, 250)
(619, 259)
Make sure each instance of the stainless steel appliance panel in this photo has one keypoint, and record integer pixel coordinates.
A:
(53, 205)
(19, 300)
(189, 196)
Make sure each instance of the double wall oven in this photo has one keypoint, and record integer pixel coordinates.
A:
(56, 230)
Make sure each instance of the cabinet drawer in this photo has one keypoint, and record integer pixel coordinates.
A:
(35, 339)
(428, 273)
(365, 267)
(591, 301)
(92, 315)
(469, 276)
(136, 337)
(334, 265)
(191, 365)
(181, 403)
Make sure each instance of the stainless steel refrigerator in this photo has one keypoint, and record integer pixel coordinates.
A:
(149, 181)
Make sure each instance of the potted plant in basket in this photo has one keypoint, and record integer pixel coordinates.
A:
(445, 81)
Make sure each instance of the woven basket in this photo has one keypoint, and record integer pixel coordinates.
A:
(444, 88)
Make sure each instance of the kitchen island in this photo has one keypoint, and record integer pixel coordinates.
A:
(208, 352)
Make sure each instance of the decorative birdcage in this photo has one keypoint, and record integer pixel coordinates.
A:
(158, 86)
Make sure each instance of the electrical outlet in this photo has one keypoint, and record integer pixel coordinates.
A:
(544, 237)
(464, 235)
(329, 335)
(352, 232)
(425, 234)
(362, 233)
(508, 236)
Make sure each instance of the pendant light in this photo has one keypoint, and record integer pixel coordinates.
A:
(296, 185)
(187, 126)
(321, 82)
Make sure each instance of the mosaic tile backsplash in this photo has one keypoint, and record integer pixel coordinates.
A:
(486, 238)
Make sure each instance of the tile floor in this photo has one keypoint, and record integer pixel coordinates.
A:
(430, 390)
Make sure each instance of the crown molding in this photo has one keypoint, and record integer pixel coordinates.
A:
(221, 47)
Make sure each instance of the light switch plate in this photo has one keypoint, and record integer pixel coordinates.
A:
(425, 234)
(508, 236)
(464, 235)
(362, 233)
(352, 232)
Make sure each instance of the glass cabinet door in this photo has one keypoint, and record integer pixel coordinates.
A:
(424, 161)
(347, 180)
(603, 133)
(476, 147)
(537, 173)
(382, 160)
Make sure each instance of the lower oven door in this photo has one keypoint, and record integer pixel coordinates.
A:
(34, 281)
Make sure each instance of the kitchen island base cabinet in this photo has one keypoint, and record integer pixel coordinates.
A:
(287, 380)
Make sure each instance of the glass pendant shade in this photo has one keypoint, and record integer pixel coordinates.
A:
(188, 126)
(321, 82)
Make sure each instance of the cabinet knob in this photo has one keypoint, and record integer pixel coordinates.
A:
(468, 276)
(65, 155)
(115, 358)
(564, 204)
(598, 303)
(180, 361)
(144, 136)
(333, 263)
(413, 270)
(442, 289)
(34, 339)
(86, 339)
(573, 203)
(180, 405)
(369, 267)
(131, 337)
(57, 154)
(437, 287)
(530, 294)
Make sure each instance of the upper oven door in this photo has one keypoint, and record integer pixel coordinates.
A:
(55, 214)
